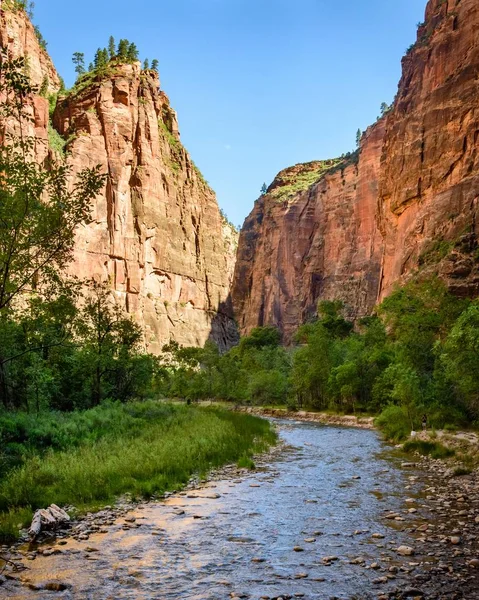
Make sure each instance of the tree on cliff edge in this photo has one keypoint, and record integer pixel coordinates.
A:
(359, 135)
(111, 47)
(79, 62)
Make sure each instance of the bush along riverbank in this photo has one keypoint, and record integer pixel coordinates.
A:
(417, 355)
(88, 458)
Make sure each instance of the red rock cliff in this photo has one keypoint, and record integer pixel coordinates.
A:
(429, 184)
(156, 233)
(319, 242)
(407, 208)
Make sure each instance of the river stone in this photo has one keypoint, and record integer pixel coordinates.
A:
(405, 551)
(455, 540)
(56, 586)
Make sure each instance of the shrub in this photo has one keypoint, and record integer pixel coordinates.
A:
(434, 449)
(394, 423)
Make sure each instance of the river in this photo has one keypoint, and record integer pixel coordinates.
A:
(309, 524)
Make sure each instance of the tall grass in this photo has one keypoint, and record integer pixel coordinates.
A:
(144, 448)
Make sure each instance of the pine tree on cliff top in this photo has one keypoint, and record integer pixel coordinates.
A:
(123, 47)
(111, 47)
(132, 53)
(79, 62)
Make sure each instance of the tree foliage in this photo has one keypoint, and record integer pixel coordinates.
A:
(58, 347)
(419, 354)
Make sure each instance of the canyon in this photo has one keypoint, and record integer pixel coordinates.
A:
(405, 205)
(156, 235)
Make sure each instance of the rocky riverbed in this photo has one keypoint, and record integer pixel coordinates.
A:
(332, 513)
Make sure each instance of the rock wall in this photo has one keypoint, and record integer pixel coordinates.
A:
(318, 243)
(18, 39)
(156, 233)
(429, 184)
(408, 207)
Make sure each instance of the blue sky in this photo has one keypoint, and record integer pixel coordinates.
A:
(259, 85)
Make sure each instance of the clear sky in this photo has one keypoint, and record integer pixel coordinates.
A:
(259, 85)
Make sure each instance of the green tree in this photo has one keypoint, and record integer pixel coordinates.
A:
(99, 60)
(146, 64)
(261, 337)
(123, 47)
(384, 108)
(460, 357)
(79, 62)
(111, 47)
(132, 52)
(264, 189)
(155, 65)
(108, 340)
(359, 135)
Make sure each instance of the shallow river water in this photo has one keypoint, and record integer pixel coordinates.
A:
(291, 528)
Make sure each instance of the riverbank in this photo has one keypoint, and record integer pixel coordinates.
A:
(144, 448)
(324, 515)
(311, 417)
(327, 511)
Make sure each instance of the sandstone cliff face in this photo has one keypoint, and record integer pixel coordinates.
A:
(429, 185)
(156, 234)
(18, 39)
(321, 242)
(409, 207)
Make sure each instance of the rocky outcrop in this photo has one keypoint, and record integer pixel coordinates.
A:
(18, 38)
(321, 242)
(407, 208)
(429, 184)
(156, 234)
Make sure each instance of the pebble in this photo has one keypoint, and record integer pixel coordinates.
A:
(405, 551)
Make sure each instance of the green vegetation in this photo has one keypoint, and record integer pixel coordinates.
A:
(433, 449)
(106, 59)
(419, 354)
(177, 150)
(18, 5)
(56, 141)
(308, 175)
(437, 250)
(88, 458)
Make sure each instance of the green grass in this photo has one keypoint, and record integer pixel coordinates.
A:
(461, 471)
(434, 449)
(142, 448)
(304, 179)
(245, 462)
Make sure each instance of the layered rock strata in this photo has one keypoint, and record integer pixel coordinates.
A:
(408, 208)
(156, 235)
